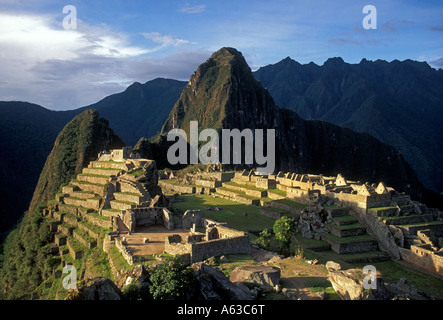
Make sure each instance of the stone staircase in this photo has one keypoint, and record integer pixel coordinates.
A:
(350, 239)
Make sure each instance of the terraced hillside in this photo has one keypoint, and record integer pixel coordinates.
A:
(82, 218)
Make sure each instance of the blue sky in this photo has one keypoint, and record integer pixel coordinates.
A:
(119, 42)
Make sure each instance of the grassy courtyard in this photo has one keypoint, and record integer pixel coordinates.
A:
(238, 216)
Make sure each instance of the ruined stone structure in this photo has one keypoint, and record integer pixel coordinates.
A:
(117, 155)
(218, 240)
(376, 216)
(146, 217)
(112, 196)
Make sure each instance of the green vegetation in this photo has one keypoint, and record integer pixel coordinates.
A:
(171, 280)
(284, 228)
(238, 216)
(78, 143)
(277, 191)
(96, 215)
(264, 239)
(137, 172)
(292, 203)
(246, 186)
(26, 262)
(118, 260)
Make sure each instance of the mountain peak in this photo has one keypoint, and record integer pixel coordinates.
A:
(208, 95)
(334, 62)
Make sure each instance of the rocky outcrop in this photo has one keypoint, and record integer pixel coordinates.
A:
(313, 220)
(261, 275)
(98, 289)
(349, 286)
(213, 285)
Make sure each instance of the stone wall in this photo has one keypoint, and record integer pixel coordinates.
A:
(174, 245)
(275, 196)
(101, 171)
(147, 216)
(378, 230)
(168, 220)
(69, 219)
(93, 179)
(86, 230)
(106, 203)
(86, 203)
(265, 183)
(208, 183)
(218, 247)
(100, 222)
(134, 198)
(303, 185)
(220, 176)
(128, 218)
(175, 188)
(94, 188)
(77, 236)
(423, 258)
(191, 217)
(220, 240)
(124, 186)
(108, 164)
(301, 195)
(124, 251)
(73, 252)
(355, 201)
(379, 200)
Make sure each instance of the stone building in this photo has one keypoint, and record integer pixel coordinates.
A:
(217, 240)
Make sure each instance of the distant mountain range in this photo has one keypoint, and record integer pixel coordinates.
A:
(399, 103)
(223, 94)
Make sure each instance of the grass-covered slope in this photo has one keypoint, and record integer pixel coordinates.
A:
(26, 259)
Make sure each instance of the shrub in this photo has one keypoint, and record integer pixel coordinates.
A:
(284, 228)
(171, 280)
(264, 239)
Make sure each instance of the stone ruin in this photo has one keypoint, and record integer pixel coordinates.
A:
(312, 222)
(217, 240)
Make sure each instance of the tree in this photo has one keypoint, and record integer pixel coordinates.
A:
(171, 280)
(284, 228)
(264, 239)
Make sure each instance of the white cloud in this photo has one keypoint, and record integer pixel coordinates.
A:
(45, 64)
(164, 40)
(193, 9)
